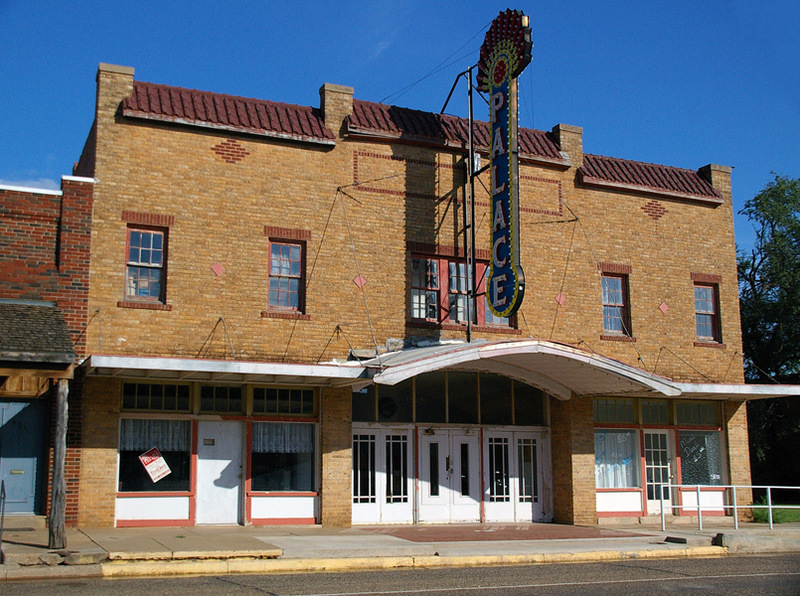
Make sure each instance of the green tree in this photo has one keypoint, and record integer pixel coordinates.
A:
(769, 293)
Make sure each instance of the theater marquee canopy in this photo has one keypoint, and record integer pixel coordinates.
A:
(562, 370)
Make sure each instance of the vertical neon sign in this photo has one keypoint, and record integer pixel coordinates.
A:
(505, 52)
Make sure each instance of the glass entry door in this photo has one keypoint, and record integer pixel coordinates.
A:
(513, 476)
(449, 478)
(382, 476)
(658, 469)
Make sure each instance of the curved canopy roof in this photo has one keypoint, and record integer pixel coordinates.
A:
(559, 369)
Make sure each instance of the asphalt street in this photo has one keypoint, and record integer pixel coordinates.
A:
(763, 575)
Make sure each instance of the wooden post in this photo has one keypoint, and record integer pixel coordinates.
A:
(58, 503)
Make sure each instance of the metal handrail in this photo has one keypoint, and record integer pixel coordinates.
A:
(735, 506)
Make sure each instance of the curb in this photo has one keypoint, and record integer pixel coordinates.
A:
(118, 569)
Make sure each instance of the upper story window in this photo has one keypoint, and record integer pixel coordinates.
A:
(616, 310)
(439, 292)
(425, 288)
(457, 299)
(706, 313)
(286, 267)
(146, 260)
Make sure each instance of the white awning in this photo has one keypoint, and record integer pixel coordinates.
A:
(561, 370)
(231, 371)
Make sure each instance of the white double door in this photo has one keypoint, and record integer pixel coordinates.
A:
(449, 475)
(515, 477)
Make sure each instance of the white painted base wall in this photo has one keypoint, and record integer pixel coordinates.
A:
(152, 508)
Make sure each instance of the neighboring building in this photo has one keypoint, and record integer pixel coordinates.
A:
(279, 307)
(44, 293)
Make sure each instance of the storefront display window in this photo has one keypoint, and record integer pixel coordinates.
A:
(616, 462)
(172, 438)
(700, 458)
(283, 456)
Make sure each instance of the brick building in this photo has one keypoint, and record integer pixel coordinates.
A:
(280, 307)
(44, 295)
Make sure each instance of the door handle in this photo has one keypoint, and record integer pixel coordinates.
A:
(447, 465)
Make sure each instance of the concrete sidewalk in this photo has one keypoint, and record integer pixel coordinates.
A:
(129, 552)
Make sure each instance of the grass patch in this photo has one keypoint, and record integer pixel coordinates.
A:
(779, 516)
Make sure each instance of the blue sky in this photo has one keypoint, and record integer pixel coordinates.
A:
(682, 83)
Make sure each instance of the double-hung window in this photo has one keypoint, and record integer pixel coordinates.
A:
(286, 276)
(144, 272)
(457, 298)
(616, 311)
(706, 313)
(425, 288)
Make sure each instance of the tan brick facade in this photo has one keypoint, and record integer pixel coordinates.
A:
(360, 207)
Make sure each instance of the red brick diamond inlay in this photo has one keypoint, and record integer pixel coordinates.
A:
(231, 151)
(654, 209)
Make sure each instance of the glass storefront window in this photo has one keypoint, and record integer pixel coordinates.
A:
(173, 440)
(700, 458)
(283, 456)
(616, 459)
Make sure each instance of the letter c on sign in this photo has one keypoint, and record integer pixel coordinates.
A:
(497, 243)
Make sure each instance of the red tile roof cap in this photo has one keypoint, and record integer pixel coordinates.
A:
(226, 112)
(613, 172)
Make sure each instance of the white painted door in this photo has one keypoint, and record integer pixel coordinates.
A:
(497, 465)
(514, 476)
(658, 469)
(219, 472)
(382, 475)
(449, 476)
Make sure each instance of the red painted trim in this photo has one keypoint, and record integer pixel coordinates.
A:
(643, 470)
(633, 489)
(151, 523)
(155, 494)
(620, 514)
(248, 471)
(284, 521)
(257, 493)
(193, 475)
(703, 489)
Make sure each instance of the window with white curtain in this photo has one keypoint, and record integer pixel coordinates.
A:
(283, 455)
(172, 438)
(616, 458)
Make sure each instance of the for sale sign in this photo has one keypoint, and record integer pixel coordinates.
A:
(155, 464)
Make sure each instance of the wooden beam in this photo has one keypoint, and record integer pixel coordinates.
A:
(58, 502)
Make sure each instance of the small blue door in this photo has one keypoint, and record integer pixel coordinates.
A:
(22, 450)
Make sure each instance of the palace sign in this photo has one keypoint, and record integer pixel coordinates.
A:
(505, 52)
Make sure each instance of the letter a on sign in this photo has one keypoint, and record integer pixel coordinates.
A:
(505, 52)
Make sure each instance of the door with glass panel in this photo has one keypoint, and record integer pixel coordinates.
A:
(513, 476)
(658, 469)
(449, 475)
(382, 476)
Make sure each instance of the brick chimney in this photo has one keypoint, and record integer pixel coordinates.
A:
(719, 177)
(336, 104)
(570, 139)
